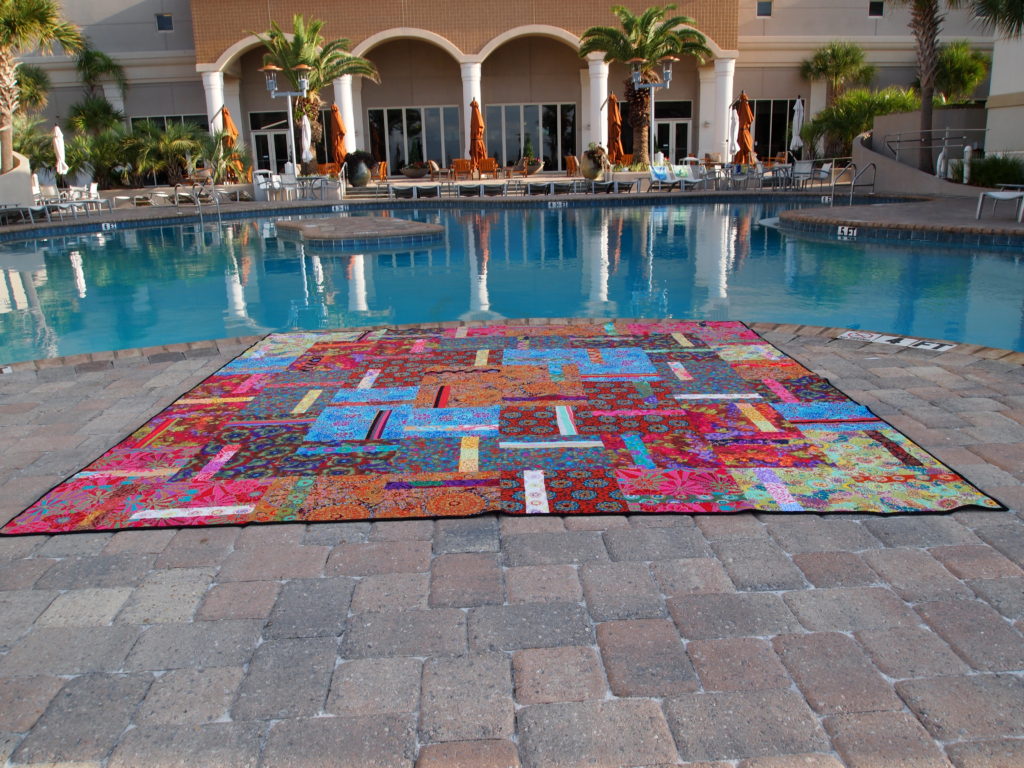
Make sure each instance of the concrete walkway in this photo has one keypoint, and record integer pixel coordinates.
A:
(751, 641)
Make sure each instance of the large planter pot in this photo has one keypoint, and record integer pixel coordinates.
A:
(590, 168)
(534, 167)
(358, 174)
(415, 173)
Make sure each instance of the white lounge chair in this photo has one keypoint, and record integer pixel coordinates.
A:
(996, 196)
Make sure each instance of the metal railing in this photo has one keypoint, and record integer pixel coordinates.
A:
(942, 139)
(855, 176)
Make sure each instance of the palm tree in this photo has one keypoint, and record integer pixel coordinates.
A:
(961, 70)
(327, 60)
(33, 88)
(94, 114)
(651, 37)
(839, 64)
(1004, 16)
(94, 66)
(26, 25)
(172, 150)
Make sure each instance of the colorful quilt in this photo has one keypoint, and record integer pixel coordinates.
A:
(622, 418)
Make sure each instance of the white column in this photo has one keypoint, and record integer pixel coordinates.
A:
(598, 101)
(817, 101)
(471, 72)
(706, 111)
(584, 133)
(112, 93)
(343, 98)
(359, 115)
(213, 85)
(724, 71)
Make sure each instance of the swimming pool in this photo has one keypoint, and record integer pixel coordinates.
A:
(134, 288)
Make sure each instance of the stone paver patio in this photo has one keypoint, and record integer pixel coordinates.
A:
(751, 641)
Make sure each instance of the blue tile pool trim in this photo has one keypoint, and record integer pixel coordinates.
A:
(875, 233)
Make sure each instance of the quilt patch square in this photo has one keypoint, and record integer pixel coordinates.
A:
(671, 416)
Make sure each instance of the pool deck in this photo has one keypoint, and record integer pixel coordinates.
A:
(729, 641)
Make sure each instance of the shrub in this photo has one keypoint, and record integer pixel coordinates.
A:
(854, 112)
(990, 171)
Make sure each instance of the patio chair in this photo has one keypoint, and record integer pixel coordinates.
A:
(688, 175)
(328, 169)
(996, 196)
(661, 177)
(401, 191)
(469, 190)
(572, 165)
(627, 160)
(437, 172)
(538, 187)
(562, 187)
(488, 166)
(522, 169)
(461, 166)
(428, 190)
(803, 171)
(494, 190)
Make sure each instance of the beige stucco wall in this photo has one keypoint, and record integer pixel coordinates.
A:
(845, 20)
(16, 184)
(120, 26)
(1006, 98)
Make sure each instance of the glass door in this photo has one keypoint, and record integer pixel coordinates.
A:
(672, 137)
(271, 150)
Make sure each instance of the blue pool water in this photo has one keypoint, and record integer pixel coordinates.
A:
(145, 287)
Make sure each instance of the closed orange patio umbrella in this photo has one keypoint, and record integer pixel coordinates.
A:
(746, 118)
(230, 140)
(477, 148)
(338, 151)
(615, 151)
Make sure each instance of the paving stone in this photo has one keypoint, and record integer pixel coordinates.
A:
(737, 664)
(225, 745)
(379, 557)
(196, 547)
(743, 525)
(976, 561)
(846, 610)
(910, 652)
(573, 547)
(401, 530)
(919, 531)
(391, 592)
(730, 726)
(79, 544)
(437, 632)
(22, 574)
(287, 678)
(1005, 595)
(202, 644)
(545, 675)
(465, 580)
(656, 544)
(977, 633)
(311, 608)
(24, 699)
(691, 576)
(16, 547)
(375, 686)
(963, 708)
(283, 561)
(620, 591)
(239, 600)
(490, 753)
(70, 731)
(916, 576)
(792, 761)
(471, 534)
(872, 740)
(143, 542)
(759, 564)
(1003, 753)
(1008, 539)
(595, 522)
(85, 607)
(645, 658)
(378, 741)
(704, 617)
(466, 698)
(515, 525)
(190, 696)
(543, 584)
(835, 569)
(167, 596)
(606, 734)
(69, 651)
(834, 675)
(333, 534)
(529, 625)
(823, 535)
(97, 571)
(278, 535)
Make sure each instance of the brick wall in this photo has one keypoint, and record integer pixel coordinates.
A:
(218, 24)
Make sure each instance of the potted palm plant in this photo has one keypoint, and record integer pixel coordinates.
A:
(531, 162)
(593, 162)
(359, 166)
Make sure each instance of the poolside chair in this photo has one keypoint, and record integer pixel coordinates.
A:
(461, 167)
(428, 190)
(996, 196)
(524, 170)
(572, 165)
(488, 166)
(562, 187)
(437, 172)
(469, 190)
(688, 175)
(538, 187)
(803, 171)
(401, 191)
(494, 190)
(662, 176)
(380, 173)
(627, 160)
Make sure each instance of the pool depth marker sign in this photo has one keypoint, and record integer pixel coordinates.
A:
(899, 341)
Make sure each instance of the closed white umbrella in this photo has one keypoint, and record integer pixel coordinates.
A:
(58, 150)
(734, 129)
(307, 140)
(798, 124)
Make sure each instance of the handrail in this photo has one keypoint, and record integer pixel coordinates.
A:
(210, 194)
(852, 168)
(874, 173)
(942, 138)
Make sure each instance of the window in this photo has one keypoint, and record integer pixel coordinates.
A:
(764, 8)
(402, 135)
(875, 9)
(164, 22)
